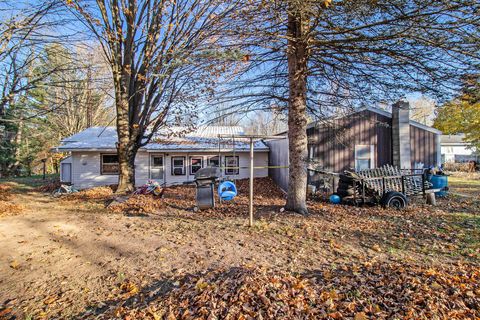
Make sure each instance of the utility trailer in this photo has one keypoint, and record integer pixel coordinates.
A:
(388, 186)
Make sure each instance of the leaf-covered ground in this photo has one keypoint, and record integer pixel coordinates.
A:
(72, 258)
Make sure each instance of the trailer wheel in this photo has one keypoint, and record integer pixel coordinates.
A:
(394, 200)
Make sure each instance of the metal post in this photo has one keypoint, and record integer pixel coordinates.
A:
(250, 207)
(44, 169)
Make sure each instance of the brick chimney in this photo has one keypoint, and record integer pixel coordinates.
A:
(401, 135)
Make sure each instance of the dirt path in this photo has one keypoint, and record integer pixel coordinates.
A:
(61, 257)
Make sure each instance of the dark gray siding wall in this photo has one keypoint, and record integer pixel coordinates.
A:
(424, 147)
(278, 156)
(333, 143)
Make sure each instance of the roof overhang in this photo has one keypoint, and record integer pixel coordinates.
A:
(383, 113)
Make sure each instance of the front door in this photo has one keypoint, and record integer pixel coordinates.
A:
(156, 168)
(66, 172)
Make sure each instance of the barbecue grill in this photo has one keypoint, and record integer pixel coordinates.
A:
(205, 180)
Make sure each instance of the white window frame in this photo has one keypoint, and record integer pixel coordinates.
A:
(173, 166)
(210, 159)
(191, 164)
(152, 166)
(371, 155)
(232, 172)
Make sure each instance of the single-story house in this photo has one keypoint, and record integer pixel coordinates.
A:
(172, 157)
(366, 138)
(455, 149)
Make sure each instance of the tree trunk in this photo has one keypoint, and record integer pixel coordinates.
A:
(126, 149)
(297, 114)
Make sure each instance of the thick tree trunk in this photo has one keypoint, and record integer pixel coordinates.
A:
(297, 115)
(127, 149)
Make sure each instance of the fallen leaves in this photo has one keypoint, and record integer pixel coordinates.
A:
(92, 194)
(5, 193)
(7, 206)
(377, 291)
(138, 204)
(15, 265)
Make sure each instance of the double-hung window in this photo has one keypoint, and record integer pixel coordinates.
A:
(178, 166)
(231, 164)
(196, 163)
(213, 162)
(109, 164)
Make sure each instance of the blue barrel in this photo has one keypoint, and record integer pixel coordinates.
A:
(439, 182)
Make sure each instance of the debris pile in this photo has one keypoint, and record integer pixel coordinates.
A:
(7, 207)
(49, 186)
(138, 204)
(266, 194)
(92, 194)
(368, 291)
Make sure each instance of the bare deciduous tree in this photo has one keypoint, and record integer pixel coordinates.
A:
(164, 56)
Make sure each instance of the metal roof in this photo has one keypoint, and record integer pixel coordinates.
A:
(180, 139)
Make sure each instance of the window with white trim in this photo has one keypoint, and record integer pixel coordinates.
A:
(213, 162)
(108, 164)
(178, 166)
(196, 163)
(363, 157)
(156, 167)
(231, 161)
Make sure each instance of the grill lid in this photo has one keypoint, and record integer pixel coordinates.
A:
(207, 173)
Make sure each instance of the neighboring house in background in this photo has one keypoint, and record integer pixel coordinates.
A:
(367, 138)
(455, 149)
(171, 157)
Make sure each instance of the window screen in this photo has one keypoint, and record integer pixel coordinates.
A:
(363, 157)
(196, 163)
(213, 162)
(178, 166)
(109, 164)
(231, 162)
(156, 170)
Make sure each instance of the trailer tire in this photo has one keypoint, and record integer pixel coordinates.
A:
(395, 200)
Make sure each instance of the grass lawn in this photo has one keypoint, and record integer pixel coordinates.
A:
(73, 258)
(465, 183)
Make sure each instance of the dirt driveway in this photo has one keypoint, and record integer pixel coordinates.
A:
(62, 259)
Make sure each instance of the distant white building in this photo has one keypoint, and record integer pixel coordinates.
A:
(455, 149)
(171, 157)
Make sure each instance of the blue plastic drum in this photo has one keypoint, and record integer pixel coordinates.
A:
(440, 182)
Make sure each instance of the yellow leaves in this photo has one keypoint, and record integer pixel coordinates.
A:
(201, 284)
(360, 316)
(327, 3)
(15, 265)
(376, 248)
(50, 300)
(129, 288)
